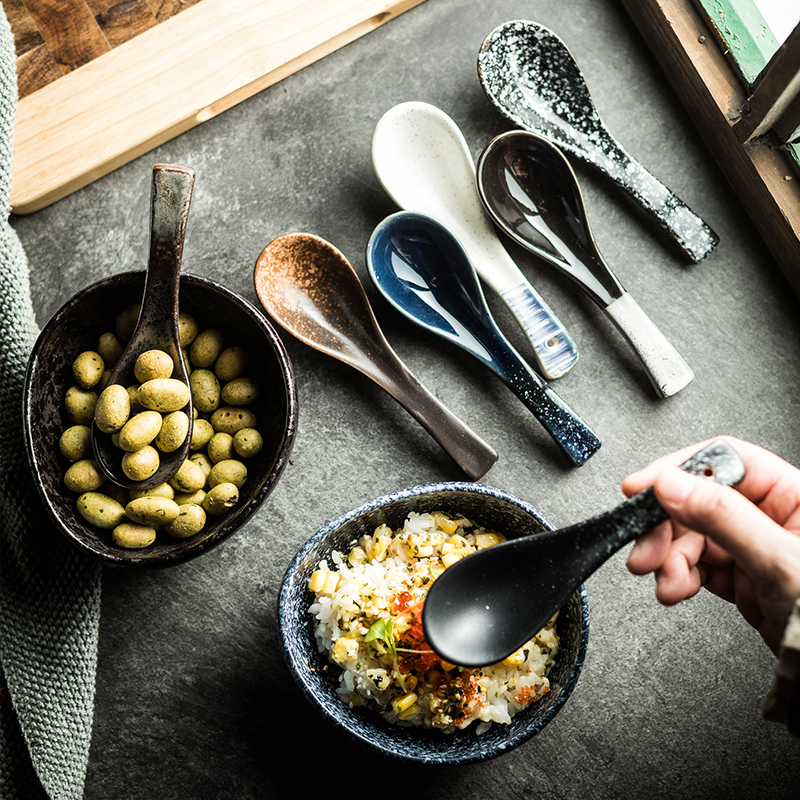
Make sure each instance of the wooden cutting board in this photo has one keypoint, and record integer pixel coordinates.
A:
(104, 81)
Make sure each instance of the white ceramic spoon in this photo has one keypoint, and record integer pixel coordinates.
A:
(423, 161)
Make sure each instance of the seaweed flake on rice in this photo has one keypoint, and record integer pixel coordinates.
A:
(367, 614)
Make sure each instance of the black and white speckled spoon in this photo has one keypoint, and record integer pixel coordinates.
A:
(484, 607)
(529, 74)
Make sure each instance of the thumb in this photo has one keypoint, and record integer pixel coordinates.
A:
(727, 517)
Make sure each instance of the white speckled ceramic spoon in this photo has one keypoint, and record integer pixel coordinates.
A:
(422, 160)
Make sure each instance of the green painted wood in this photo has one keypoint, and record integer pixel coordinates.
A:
(793, 151)
(745, 32)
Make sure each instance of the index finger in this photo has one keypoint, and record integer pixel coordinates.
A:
(764, 470)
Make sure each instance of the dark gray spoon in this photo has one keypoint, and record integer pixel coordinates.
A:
(527, 72)
(425, 273)
(530, 191)
(311, 290)
(157, 326)
(486, 606)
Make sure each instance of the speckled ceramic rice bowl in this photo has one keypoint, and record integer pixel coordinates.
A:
(318, 678)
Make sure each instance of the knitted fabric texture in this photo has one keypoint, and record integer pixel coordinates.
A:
(49, 592)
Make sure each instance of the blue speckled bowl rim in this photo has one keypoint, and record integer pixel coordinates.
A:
(294, 600)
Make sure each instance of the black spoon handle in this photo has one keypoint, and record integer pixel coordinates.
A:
(598, 538)
(157, 326)
(487, 605)
(171, 198)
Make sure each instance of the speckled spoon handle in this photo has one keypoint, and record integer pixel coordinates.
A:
(422, 160)
(666, 368)
(527, 71)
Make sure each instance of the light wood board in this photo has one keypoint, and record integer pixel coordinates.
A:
(130, 94)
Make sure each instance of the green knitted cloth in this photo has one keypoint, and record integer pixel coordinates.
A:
(49, 593)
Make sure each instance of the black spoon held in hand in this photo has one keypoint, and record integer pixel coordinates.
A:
(157, 327)
(486, 606)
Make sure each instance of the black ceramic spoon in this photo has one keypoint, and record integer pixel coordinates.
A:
(533, 79)
(423, 271)
(311, 290)
(486, 606)
(530, 191)
(157, 326)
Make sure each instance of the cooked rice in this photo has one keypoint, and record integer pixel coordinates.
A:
(385, 577)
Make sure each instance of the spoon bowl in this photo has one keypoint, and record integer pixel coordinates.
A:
(423, 271)
(486, 606)
(529, 74)
(530, 191)
(311, 290)
(423, 161)
(157, 326)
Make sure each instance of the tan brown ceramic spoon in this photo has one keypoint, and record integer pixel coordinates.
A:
(312, 291)
(157, 327)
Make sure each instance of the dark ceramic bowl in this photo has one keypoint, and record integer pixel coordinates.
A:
(490, 507)
(75, 328)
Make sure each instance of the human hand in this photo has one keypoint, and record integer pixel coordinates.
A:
(742, 544)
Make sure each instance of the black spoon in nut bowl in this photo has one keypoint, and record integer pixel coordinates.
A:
(531, 192)
(486, 606)
(157, 326)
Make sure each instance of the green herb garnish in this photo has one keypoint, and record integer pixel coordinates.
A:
(382, 630)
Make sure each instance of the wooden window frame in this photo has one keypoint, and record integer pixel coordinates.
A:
(742, 126)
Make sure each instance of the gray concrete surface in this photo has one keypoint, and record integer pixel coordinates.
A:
(193, 698)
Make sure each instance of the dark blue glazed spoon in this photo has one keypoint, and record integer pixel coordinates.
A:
(424, 272)
(486, 606)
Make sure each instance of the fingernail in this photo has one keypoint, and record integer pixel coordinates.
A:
(673, 486)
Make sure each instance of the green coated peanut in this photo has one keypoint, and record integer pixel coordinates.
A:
(133, 536)
(190, 520)
(219, 499)
(153, 511)
(80, 405)
(230, 419)
(240, 392)
(139, 431)
(173, 433)
(100, 510)
(228, 471)
(87, 369)
(164, 394)
(76, 442)
(141, 464)
(113, 408)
